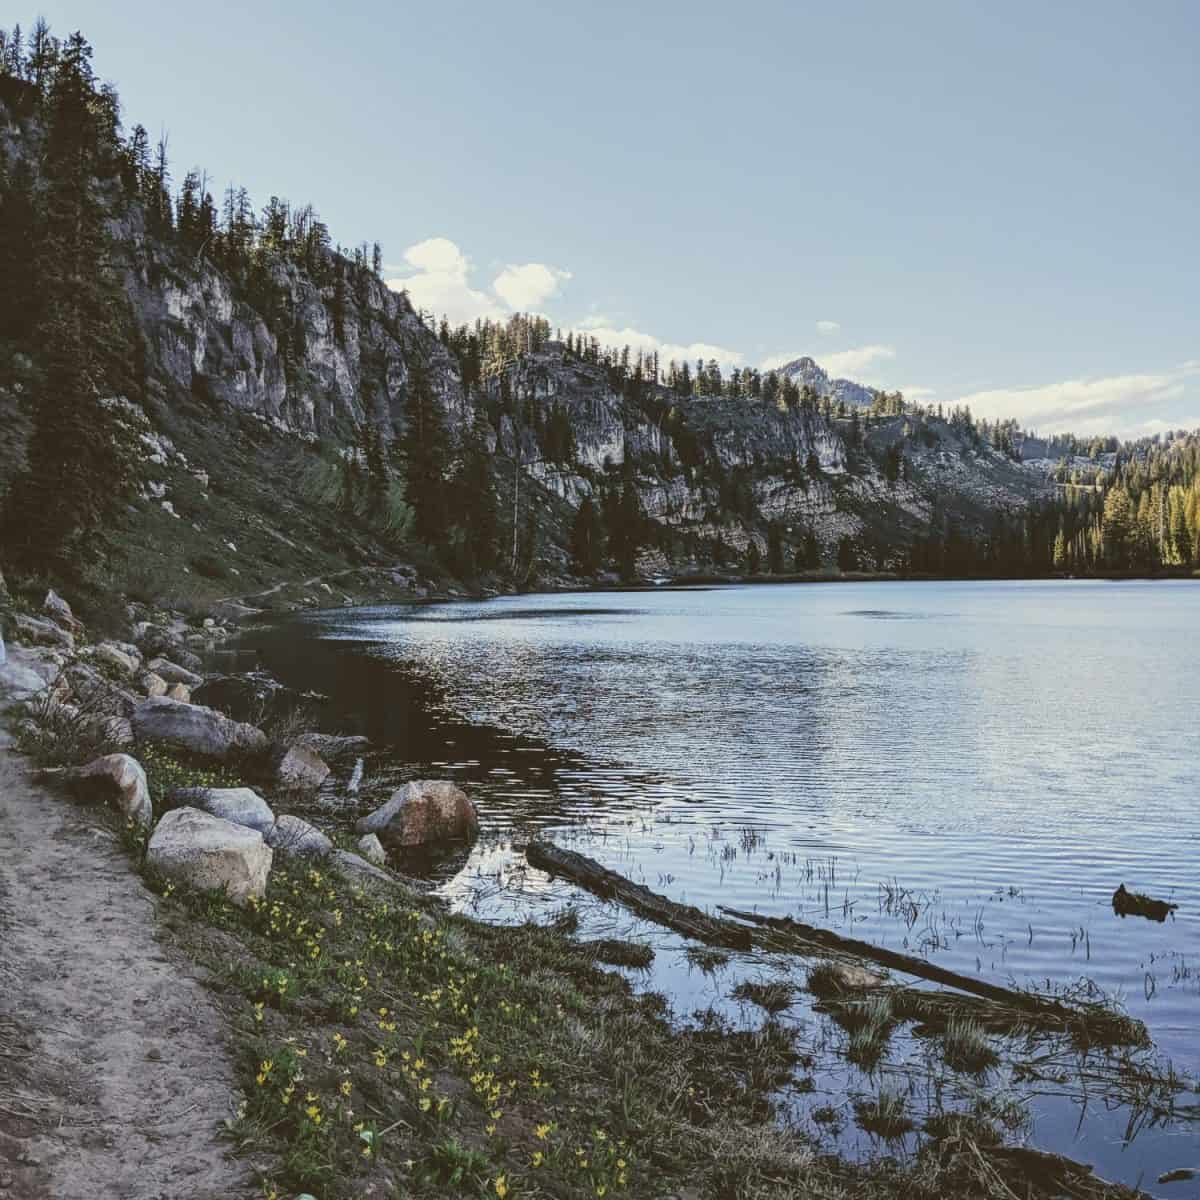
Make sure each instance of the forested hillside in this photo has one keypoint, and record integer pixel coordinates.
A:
(196, 385)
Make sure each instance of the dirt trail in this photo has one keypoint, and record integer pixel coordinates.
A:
(113, 1071)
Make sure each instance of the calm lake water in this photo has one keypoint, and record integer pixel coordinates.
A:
(961, 770)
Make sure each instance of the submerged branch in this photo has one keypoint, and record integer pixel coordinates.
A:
(748, 930)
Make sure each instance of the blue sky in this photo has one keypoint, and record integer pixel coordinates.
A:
(988, 202)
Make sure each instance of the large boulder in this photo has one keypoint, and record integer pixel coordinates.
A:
(301, 768)
(423, 813)
(241, 805)
(42, 633)
(195, 728)
(114, 656)
(19, 683)
(205, 852)
(293, 836)
(114, 777)
(173, 672)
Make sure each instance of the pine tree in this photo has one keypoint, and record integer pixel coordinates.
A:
(79, 468)
(775, 549)
(587, 539)
(1118, 529)
(426, 456)
(478, 510)
(18, 258)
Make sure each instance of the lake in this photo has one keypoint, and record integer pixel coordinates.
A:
(961, 770)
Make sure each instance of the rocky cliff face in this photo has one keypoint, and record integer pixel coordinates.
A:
(207, 340)
(204, 338)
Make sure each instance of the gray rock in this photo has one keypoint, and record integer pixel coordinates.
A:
(115, 776)
(117, 731)
(114, 656)
(371, 848)
(174, 673)
(332, 746)
(358, 869)
(423, 813)
(195, 728)
(153, 685)
(293, 836)
(205, 852)
(302, 768)
(59, 611)
(242, 806)
(42, 633)
(18, 683)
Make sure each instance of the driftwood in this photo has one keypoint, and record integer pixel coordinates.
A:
(783, 935)
(683, 918)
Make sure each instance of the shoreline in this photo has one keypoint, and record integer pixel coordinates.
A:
(330, 982)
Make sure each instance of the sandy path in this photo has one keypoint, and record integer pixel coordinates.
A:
(113, 1070)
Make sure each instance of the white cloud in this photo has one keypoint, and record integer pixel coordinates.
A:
(529, 286)
(604, 331)
(827, 327)
(918, 395)
(440, 283)
(1121, 404)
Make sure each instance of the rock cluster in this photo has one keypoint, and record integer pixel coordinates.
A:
(138, 694)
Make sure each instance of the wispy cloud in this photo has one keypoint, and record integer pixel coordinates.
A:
(1122, 404)
(827, 327)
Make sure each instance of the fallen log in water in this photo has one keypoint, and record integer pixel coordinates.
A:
(599, 880)
(783, 935)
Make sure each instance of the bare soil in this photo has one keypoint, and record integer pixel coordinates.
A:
(114, 1073)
